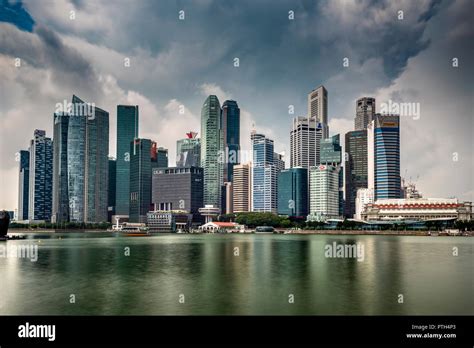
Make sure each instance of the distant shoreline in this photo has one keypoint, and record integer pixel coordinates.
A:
(288, 232)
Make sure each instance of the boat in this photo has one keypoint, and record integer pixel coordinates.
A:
(4, 224)
(133, 230)
(264, 229)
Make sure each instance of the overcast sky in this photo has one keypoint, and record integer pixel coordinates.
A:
(177, 62)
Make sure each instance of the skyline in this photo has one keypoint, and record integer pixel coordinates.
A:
(75, 68)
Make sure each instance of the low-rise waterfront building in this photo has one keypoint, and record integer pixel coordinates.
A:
(169, 221)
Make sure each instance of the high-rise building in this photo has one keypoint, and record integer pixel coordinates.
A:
(278, 161)
(143, 158)
(162, 157)
(97, 167)
(227, 204)
(318, 108)
(127, 131)
(264, 175)
(112, 188)
(241, 188)
(331, 153)
(231, 134)
(24, 184)
(305, 137)
(387, 156)
(212, 146)
(40, 177)
(293, 192)
(87, 152)
(365, 111)
(324, 192)
(178, 188)
(188, 151)
(355, 167)
(60, 168)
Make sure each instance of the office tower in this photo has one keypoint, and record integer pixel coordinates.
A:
(227, 206)
(241, 185)
(331, 153)
(355, 167)
(24, 184)
(97, 167)
(212, 146)
(112, 188)
(293, 192)
(188, 151)
(387, 156)
(324, 192)
(278, 161)
(318, 108)
(162, 157)
(127, 131)
(365, 111)
(178, 188)
(366, 196)
(305, 137)
(40, 177)
(264, 175)
(231, 133)
(60, 168)
(143, 158)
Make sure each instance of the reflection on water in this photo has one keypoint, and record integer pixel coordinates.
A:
(238, 274)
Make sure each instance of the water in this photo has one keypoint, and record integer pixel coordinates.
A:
(269, 268)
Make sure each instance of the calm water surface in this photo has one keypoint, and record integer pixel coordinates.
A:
(269, 268)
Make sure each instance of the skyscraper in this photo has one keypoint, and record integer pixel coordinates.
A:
(241, 188)
(278, 161)
(305, 137)
(188, 151)
(355, 167)
(212, 146)
(24, 184)
(162, 157)
(318, 108)
(60, 168)
(264, 175)
(83, 154)
(40, 177)
(143, 158)
(365, 111)
(178, 189)
(127, 131)
(324, 192)
(331, 153)
(387, 156)
(293, 192)
(112, 188)
(231, 134)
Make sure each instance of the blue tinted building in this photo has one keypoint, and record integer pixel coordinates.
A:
(293, 192)
(231, 129)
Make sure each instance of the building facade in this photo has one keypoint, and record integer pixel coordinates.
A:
(331, 154)
(24, 184)
(305, 137)
(231, 133)
(178, 188)
(293, 192)
(324, 192)
(365, 112)
(162, 157)
(60, 169)
(212, 146)
(188, 151)
(111, 201)
(241, 188)
(127, 131)
(318, 108)
(40, 198)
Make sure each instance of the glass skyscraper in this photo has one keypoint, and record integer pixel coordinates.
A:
(365, 111)
(162, 157)
(127, 131)
(264, 175)
(40, 177)
(331, 153)
(387, 156)
(143, 158)
(231, 133)
(60, 168)
(293, 192)
(24, 184)
(112, 188)
(188, 151)
(212, 146)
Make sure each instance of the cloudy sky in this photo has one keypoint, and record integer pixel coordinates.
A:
(81, 47)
